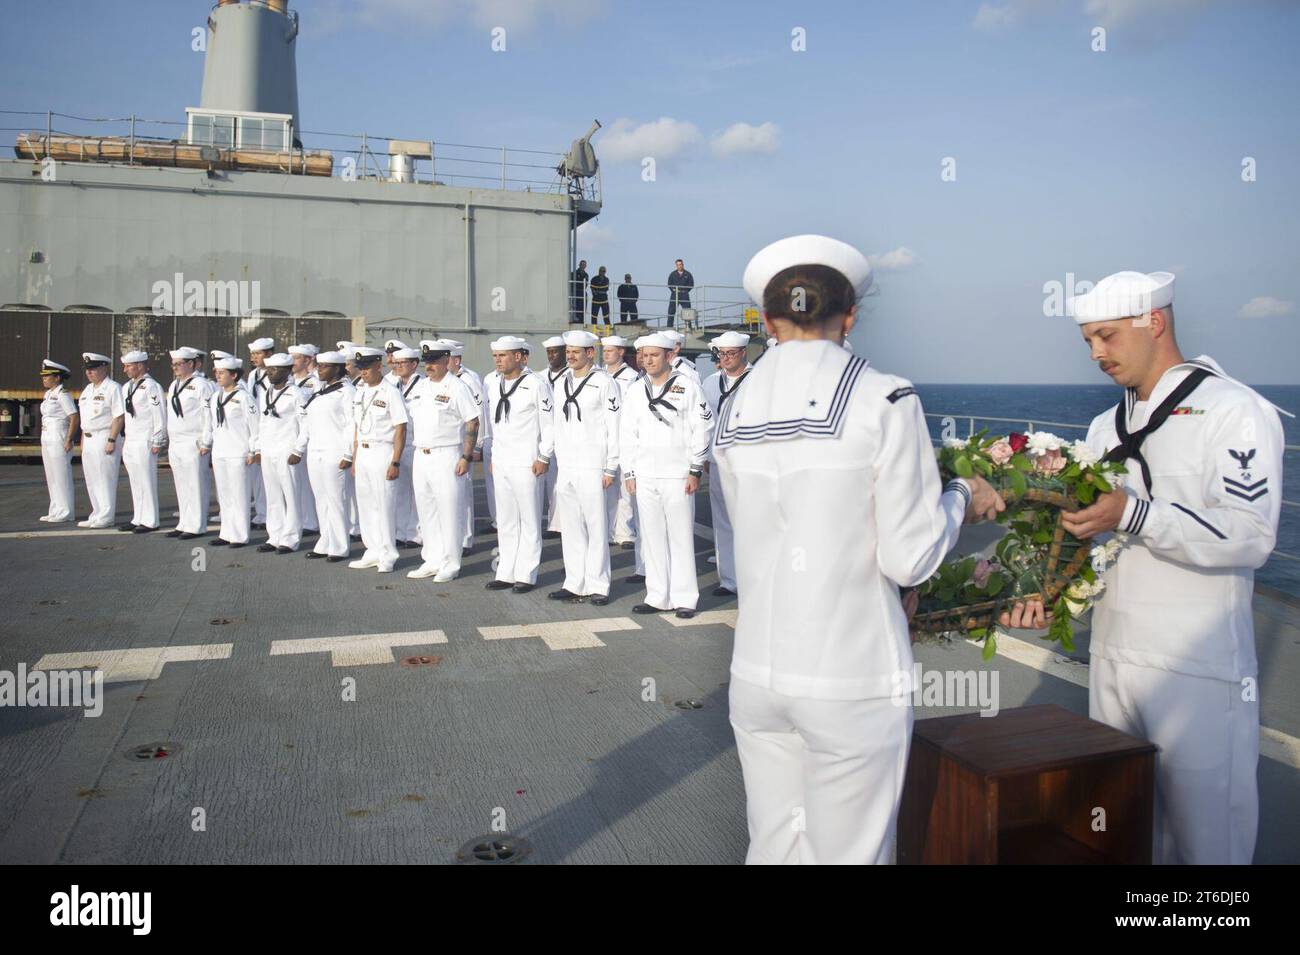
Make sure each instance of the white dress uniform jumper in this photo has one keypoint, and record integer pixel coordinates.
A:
(280, 435)
(586, 426)
(718, 388)
(327, 417)
(1173, 639)
(146, 430)
(664, 437)
(439, 412)
(257, 384)
(98, 406)
(187, 406)
(306, 496)
(232, 425)
(834, 494)
(520, 424)
(376, 411)
(551, 512)
(57, 408)
(407, 521)
(622, 514)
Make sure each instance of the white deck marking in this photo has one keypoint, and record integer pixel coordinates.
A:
(358, 650)
(704, 618)
(562, 634)
(140, 663)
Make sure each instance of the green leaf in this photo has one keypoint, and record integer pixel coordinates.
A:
(990, 647)
(1042, 537)
(963, 467)
(995, 584)
(1018, 483)
(978, 633)
(1103, 485)
(1085, 493)
(1021, 462)
(1088, 573)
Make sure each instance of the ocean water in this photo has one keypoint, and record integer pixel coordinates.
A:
(1079, 404)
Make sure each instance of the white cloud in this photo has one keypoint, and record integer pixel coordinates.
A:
(1266, 306)
(662, 139)
(403, 14)
(592, 237)
(894, 260)
(740, 138)
(991, 17)
(994, 17)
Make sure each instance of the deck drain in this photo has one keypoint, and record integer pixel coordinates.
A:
(218, 621)
(47, 603)
(689, 705)
(499, 849)
(421, 661)
(385, 587)
(152, 751)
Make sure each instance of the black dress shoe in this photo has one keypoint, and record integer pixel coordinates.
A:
(257, 526)
(126, 528)
(498, 585)
(634, 579)
(310, 532)
(237, 544)
(265, 548)
(685, 614)
(356, 538)
(566, 595)
(187, 536)
(628, 545)
(284, 550)
(550, 535)
(218, 542)
(646, 608)
(410, 545)
(522, 588)
(312, 555)
(599, 599)
(723, 592)
(142, 529)
(334, 560)
(175, 533)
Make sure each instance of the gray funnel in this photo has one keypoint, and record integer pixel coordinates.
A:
(250, 65)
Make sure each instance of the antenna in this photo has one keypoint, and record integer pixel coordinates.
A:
(580, 162)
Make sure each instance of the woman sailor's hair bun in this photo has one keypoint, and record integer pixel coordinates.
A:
(808, 294)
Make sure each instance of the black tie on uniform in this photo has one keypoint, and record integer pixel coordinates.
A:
(571, 398)
(327, 390)
(503, 404)
(723, 392)
(1130, 445)
(661, 400)
(270, 405)
(135, 386)
(221, 407)
(176, 397)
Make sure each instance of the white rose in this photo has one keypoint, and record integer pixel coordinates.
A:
(954, 442)
(1082, 454)
(1040, 442)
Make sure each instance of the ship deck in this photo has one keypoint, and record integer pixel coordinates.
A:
(530, 715)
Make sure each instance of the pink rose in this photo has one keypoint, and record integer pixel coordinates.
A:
(1001, 452)
(981, 575)
(1050, 462)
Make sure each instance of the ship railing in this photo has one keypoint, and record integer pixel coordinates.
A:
(950, 424)
(703, 307)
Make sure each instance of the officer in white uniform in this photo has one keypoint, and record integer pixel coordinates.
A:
(622, 515)
(520, 423)
(665, 433)
(307, 381)
(586, 431)
(59, 423)
(230, 431)
(327, 425)
(380, 419)
(1173, 636)
(444, 417)
(471, 378)
(146, 436)
(835, 496)
(733, 369)
(405, 376)
(101, 411)
(557, 366)
(259, 350)
(187, 400)
(281, 445)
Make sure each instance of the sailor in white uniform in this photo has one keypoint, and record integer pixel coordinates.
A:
(381, 421)
(405, 377)
(1173, 637)
(59, 423)
(444, 417)
(622, 515)
(230, 431)
(187, 399)
(391, 348)
(520, 423)
(470, 379)
(834, 493)
(664, 441)
(101, 412)
(484, 450)
(327, 424)
(306, 381)
(349, 350)
(586, 430)
(259, 350)
(146, 436)
(557, 366)
(678, 362)
(281, 445)
(733, 368)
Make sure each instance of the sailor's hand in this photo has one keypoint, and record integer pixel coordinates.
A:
(294, 459)
(248, 459)
(155, 450)
(911, 600)
(630, 484)
(462, 467)
(393, 471)
(67, 447)
(257, 458)
(607, 481)
(344, 464)
(692, 484)
(539, 468)
(203, 451)
(1026, 615)
(1103, 515)
(985, 503)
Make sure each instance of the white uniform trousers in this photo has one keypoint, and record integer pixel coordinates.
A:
(408, 520)
(142, 472)
(621, 516)
(101, 472)
(58, 478)
(330, 491)
(467, 516)
(283, 522)
(377, 503)
(232, 477)
(258, 494)
(350, 495)
(439, 495)
(667, 538)
(193, 489)
(724, 538)
(580, 499)
(552, 511)
(1207, 797)
(307, 499)
(487, 479)
(519, 523)
(823, 778)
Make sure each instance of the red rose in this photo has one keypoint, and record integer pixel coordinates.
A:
(1017, 441)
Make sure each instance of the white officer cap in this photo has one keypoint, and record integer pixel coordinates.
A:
(133, 357)
(656, 340)
(364, 355)
(555, 341)
(93, 360)
(306, 349)
(229, 363)
(673, 336)
(394, 344)
(220, 354)
(184, 353)
(614, 341)
(456, 348)
(406, 354)
(579, 338)
(54, 368)
(434, 348)
(279, 360)
(806, 250)
(429, 344)
(331, 358)
(262, 344)
(345, 346)
(730, 340)
(1122, 295)
(509, 343)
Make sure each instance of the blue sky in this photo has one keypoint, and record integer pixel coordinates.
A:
(1067, 160)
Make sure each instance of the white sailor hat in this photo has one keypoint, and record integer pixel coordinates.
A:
(455, 347)
(846, 344)
(730, 340)
(676, 337)
(406, 354)
(555, 341)
(262, 344)
(331, 358)
(579, 338)
(655, 340)
(431, 349)
(806, 250)
(184, 353)
(614, 341)
(133, 357)
(200, 353)
(217, 355)
(229, 363)
(526, 346)
(92, 359)
(304, 349)
(54, 368)
(394, 344)
(278, 360)
(364, 355)
(509, 343)
(1122, 295)
(345, 346)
